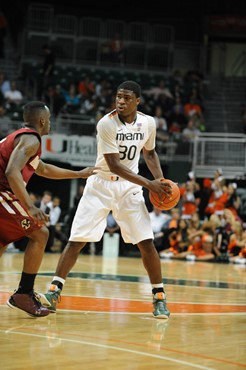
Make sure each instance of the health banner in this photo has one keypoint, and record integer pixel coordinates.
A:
(76, 150)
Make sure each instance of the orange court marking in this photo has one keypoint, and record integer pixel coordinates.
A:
(123, 305)
(171, 350)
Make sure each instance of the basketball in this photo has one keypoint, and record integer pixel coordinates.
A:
(166, 203)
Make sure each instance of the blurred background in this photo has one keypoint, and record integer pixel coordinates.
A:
(189, 58)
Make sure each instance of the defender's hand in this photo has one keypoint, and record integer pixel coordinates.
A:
(88, 171)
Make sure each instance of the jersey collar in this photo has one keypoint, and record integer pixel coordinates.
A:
(121, 120)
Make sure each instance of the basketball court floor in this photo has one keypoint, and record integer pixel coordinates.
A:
(104, 320)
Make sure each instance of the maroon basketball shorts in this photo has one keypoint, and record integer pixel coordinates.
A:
(15, 222)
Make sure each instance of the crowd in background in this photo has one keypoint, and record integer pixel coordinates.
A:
(205, 225)
(176, 103)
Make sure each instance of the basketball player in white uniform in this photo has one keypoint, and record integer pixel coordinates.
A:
(121, 136)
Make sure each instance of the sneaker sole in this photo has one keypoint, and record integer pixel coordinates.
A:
(45, 302)
(165, 317)
(17, 308)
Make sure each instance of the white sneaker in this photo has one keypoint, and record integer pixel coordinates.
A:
(191, 257)
(240, 260)
(166, 254)
(11, 249)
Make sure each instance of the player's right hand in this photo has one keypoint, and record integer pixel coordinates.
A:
(160, 187)
(88, 171)
(38, 215)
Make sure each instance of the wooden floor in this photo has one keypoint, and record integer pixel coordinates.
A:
(105, 318)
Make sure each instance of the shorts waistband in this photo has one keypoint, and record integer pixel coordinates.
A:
(110, 177)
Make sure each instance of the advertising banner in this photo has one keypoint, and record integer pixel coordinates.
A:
(79, 151)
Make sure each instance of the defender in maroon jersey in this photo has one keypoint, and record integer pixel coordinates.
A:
(19, 158)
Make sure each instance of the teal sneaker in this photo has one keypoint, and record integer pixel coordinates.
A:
(160, 306)
(51, 298)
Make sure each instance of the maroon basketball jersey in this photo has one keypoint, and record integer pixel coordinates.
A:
(6, 148)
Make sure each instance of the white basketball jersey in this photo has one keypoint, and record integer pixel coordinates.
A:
(127, 139)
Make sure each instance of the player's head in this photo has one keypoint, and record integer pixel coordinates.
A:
(127, 97)
(37, 114)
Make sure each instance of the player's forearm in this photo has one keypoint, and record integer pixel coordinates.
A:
(153, 164)
(124, 172)
(53, 172)
(16, 184)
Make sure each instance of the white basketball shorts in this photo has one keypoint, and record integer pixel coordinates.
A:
(126, 201)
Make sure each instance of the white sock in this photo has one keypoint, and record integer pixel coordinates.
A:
(54, 287)
(160, 285)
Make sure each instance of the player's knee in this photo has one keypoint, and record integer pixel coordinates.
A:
(75, 246)
(42, 235)
(146, 245)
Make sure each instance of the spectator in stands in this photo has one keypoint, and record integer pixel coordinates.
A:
(175, 217)
(233, 202)
(177, 77)
(79, 194)
(190, 132)
(194, 79)
(106, 99)
(161, 125)
(196, 98)
(116, 49)
(90, 107)
(218, 197)
(217, 173)
(86, 88)
(72, 99)
(188, 200)
(221, 239)
(5, 123)
(14, 96)
(236, 241)
(177, 92)
(227, 222)
(172, 225)
(160, 90)
(4, 84)
(176, 118)
(113, 50)
(104, 85)
(204, 195)
(45, 203)
(241, 257)
(161, 95)
(202, 243)
(195, 223)
(54, 213)
(191, 108)
(178, 241)
(70, 216)
(55, 99)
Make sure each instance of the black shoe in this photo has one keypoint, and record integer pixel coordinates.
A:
(28, 303)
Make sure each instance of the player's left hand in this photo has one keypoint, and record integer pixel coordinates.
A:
(88, 171)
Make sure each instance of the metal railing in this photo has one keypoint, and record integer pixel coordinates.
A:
(82, 40)
(218, 150)
(239, 66)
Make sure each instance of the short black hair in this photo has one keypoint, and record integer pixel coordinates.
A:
(33, 106)
(33, 109)
(132, 86)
